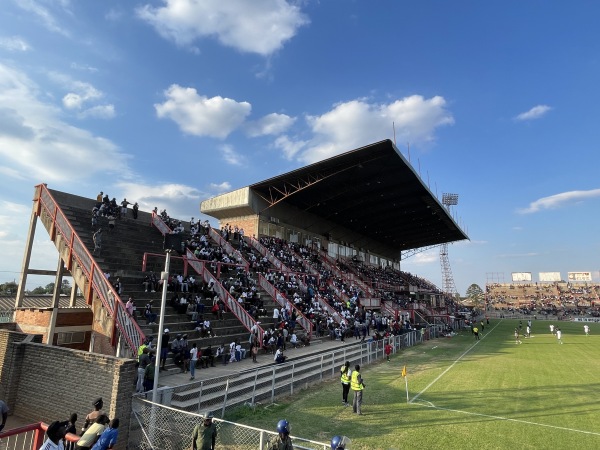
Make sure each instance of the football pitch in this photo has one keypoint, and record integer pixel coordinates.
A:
(463, 393)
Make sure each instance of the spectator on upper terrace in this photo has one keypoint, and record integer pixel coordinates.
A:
(135, 209)
(99, 197)
(124, 204)
(97, 238)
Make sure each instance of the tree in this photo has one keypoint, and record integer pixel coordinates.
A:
(476, 296)
(9, 288)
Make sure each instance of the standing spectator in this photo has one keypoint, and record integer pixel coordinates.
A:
(136, 207)
(56, 433)
(345, 379)
(357, 385)
(130, 306)
(193, 360)
(97, 237)
(124, 204)
(282, 441)
(108, 438)
(149, 375)
(96, 412)
(99, 197)
(204, 436)
(164, 351)
(144, 360)
(92, 433)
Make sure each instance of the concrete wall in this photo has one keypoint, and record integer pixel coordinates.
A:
(47, 383)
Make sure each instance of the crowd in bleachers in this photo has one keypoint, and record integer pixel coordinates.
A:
(557, 298)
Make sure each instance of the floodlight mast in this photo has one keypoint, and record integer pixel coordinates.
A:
(448, 286)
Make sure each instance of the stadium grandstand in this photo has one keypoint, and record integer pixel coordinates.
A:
(316, 252)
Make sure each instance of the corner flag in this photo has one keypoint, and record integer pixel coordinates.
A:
(404, 372)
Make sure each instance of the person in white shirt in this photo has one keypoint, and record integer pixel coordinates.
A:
(294, 340)
(586, 328)
(193, 360)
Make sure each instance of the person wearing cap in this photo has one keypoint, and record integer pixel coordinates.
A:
(96, 412)
(92, 433)
(164, 350)
(56, 432)
(109, 436)
(204, 435)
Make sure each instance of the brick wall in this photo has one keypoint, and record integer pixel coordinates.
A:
(49, 383)
(248, 223)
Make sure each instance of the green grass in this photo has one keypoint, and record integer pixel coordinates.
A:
(494, 395)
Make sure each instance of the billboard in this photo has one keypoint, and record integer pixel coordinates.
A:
(550, 276)
(579, 276)
(521, 276)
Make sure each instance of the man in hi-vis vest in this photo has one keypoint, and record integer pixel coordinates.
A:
(357, 385)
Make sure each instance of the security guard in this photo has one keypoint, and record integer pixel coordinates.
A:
(345, 379)
(357, 385)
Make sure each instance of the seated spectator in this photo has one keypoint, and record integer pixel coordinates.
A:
(294, 340)
(150, 316)
(279, 356)
(207, 358)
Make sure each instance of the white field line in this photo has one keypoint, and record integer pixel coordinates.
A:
(453, 364)
(431, 405)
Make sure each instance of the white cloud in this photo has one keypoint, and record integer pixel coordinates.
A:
(355, 123)
(289, 147)
(202, 116)
(258, 26)
(14, 44)
(113, 15)
(534, 113)
(517, 255)
(231, 156)
(84, 93)
(44, 15)
(559, 200)
(225, 186)
(271, 124)
(37, 143)
(83, 67)
(99, 112)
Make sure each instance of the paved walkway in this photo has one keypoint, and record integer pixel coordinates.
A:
(177, 378)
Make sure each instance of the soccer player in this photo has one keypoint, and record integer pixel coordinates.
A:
(551, 328)
(586, 328)
(517, 340)
(559, 335)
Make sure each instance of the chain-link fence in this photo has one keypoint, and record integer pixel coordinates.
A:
(159, 427)
(264, 384)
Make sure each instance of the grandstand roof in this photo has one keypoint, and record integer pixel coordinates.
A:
(372, 190)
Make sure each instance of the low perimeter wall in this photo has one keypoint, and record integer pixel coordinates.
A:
(47, 383)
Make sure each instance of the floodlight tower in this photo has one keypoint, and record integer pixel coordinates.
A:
(448, 286)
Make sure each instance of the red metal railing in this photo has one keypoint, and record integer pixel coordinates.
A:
(28, 437)
(283, 301)
(238, 310)
(97, 282)
(214, 234)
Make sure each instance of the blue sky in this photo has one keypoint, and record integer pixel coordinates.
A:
(171, 102)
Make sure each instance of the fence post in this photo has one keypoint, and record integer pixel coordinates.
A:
(254, 389)
(292, 381)
(225, 399)
(273, 387)
(200, 396)
(321, 371)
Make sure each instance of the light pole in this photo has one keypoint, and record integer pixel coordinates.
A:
(164, 276)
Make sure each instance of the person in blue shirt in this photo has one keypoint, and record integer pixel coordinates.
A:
(108, 438)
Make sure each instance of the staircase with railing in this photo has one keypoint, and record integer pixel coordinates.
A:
(85, 269)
